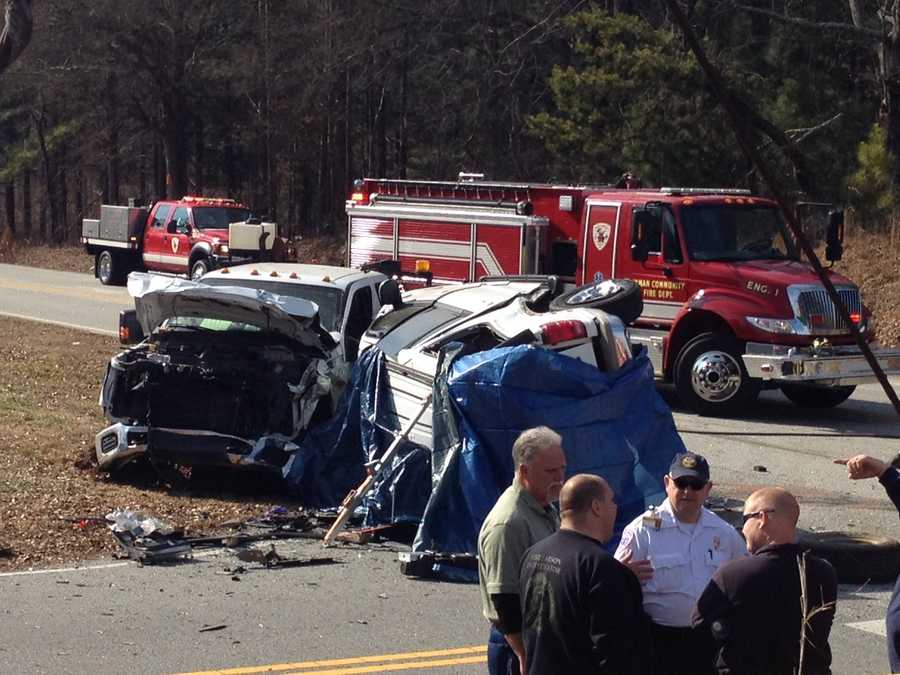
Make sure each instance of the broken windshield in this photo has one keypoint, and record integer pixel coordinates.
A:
(326, 298)
(732, 233)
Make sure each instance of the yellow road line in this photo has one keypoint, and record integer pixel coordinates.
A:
(465, 654)
(67, 291)
(405, 665)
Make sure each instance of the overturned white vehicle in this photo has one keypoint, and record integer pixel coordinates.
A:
(228, 376)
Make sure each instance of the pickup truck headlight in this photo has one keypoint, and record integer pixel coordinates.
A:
(223, 249)
(783, 326)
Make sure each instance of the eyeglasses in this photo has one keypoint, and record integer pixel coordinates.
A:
(685, 482)
(756, 514)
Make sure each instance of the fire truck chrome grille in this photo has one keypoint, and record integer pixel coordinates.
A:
(819, 313)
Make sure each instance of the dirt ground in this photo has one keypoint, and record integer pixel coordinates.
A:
(49, 382)
(49, 385)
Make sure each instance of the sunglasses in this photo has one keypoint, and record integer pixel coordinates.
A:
(686, 482)
(755, 514)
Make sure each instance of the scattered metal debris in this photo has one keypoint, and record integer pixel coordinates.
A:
(415, 564)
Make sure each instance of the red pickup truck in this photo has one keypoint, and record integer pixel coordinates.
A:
(729, 307)
(188, 236)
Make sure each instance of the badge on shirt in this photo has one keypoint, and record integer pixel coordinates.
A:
(652, 518)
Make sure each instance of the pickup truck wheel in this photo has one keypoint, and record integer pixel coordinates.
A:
(110, 270)
(619, 297)
(199, 268)
(812, 396)
(710, 377)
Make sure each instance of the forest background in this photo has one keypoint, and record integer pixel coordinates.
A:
(283, 103)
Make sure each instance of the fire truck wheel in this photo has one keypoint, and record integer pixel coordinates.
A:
(198, 268)
(811, 396)
(110, 269)
(619, 297)
(710, 377)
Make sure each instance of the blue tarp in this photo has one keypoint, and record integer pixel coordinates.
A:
(615, 425)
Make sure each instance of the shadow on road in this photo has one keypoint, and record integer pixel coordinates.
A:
(855, 417)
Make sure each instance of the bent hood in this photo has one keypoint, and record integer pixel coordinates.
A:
(158, 298)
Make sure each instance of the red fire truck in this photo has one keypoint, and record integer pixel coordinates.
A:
(189, 236)
(729, 306)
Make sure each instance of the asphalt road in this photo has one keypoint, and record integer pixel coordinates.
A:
(362, 615)
(65, 298)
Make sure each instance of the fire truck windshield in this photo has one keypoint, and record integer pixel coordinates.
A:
(218, 217)
(726, 232)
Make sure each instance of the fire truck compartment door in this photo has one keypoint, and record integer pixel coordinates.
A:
(599, 242)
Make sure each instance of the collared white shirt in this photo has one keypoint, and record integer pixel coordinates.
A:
(683, 559)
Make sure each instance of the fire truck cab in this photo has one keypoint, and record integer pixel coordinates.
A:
(729, 306)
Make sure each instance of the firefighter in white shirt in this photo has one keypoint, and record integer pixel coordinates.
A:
(674, 549)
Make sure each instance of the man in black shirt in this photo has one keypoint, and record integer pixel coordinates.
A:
(582, 610)
(752, 605)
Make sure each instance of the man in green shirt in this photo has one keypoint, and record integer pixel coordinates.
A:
(521, 517)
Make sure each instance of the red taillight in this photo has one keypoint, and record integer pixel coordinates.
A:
(124, 334)
(358, 197)
(563, 331)
(856, 317)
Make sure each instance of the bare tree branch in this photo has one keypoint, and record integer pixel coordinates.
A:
(854, 29)
(16, 33)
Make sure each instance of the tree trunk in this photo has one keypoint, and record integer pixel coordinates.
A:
(159, 171)
(402, 153)
(26, 202)
(48, 229)
(11, 207)
(62, 230)
(16, 34)
(112, 151)
(175, 119)
(79, 199)
(199, 157)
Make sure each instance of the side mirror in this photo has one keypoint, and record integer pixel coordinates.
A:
(172, 227)
(389, 293)
(834, 238)
(130, 331)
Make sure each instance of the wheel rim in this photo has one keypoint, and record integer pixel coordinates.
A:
(716, 376)
(597, 291)
(104, 267)
(198, 271)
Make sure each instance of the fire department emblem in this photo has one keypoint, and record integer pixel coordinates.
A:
(600, 234)
(689, 463)
(175, 245)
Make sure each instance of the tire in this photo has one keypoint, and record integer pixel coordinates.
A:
(199, 267)
(856, 558)
(109, 268)
(619, 297)
(710, 377)
(812, 396)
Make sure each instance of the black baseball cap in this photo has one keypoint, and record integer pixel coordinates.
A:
(689, 464)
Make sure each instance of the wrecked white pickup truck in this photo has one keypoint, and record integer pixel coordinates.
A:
(234, 368)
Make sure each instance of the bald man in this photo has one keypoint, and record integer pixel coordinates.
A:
(752, 605)
(582, 610)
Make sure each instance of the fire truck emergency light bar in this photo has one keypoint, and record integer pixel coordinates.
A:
(704, 191)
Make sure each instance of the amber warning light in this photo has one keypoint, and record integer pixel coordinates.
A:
(423, 266)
